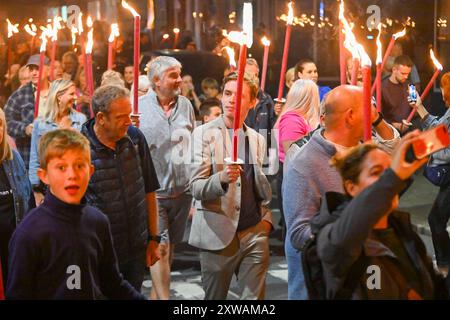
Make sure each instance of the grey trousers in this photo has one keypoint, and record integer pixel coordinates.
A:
(247, 256)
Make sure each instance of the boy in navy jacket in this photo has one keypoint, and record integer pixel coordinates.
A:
(63, 249)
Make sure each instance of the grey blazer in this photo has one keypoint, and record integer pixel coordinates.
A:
(215, 222)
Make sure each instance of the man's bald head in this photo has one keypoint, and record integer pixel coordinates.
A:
(338, 102)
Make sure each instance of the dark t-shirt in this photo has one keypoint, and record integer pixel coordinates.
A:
(7, 218)
(394, 102)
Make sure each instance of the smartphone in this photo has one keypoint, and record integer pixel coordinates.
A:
(429, 142)
(412, 94)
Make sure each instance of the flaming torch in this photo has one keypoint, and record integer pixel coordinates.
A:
(388, 51)
(31, 29)
(287, 39)
(367, 97)
(245, 39)
(425, 92)
(137, 40)
(114, 33)
(266, 44)
(176, 31)
(12, 29)
(351, 45)
(55, 28)
(379, 70)
(137, 31)
(89, 46)
(41, 66)
(231, 58)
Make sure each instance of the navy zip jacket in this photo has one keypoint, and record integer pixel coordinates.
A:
(63, 251)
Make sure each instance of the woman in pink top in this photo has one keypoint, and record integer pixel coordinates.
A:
(299, 116)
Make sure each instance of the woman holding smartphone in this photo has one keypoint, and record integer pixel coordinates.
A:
(440, 212)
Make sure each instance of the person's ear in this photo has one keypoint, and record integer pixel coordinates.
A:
(42, 174)
(100, 118)
(351, 188)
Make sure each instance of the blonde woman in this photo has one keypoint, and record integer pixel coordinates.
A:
(58, 114)
(16, 197)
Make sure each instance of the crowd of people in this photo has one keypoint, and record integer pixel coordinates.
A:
(91, 195)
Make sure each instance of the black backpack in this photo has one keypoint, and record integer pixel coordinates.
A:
(312, 265)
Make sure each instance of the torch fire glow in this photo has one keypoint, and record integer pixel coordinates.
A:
(351, 45)
(137, 31)
(114, 34)
(176, 31)
(12, 29)
(231, 58)
(427, 90)
(379, 70)
(266, 44)
(287, 39)
(41, 66)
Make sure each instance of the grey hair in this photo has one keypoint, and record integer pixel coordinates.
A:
(111, 77)
(159, 65)
(105, 95)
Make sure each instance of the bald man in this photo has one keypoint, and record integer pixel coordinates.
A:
(309, 175)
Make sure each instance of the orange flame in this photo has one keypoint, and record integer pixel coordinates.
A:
(114, 32)
(80, 23)
(166, 36)
(231, 57)
(437, 64)
(265, 41)
(236, 37)
(399, 34)
(74, 32)
(379, 48)
(90, 37)
(43, 37)
(176, 30)
(248, 23)
(129, 8)
(12, 28)
(290, 17)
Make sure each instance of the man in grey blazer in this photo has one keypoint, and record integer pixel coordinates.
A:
(232, 222)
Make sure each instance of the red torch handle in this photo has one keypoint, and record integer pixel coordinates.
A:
(264, 69)
(38, 89)
(137, 28)
(238, 102)
(287, 40)
(367, 104)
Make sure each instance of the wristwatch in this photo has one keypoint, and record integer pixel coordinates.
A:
(154, 238)
(379, 119)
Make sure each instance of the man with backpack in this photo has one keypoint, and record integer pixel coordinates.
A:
(309, 175)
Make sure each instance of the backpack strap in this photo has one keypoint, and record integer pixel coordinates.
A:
(352, 279)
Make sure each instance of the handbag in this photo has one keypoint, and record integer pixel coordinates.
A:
(438, 175)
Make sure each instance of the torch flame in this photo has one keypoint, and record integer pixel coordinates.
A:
(12, 28)
(350, 42)
(114, 32)
(90, 37)
(248, 23)
(399, 34)
(129, 8)
(364, 57)
(80, 23)
(44, 40)
(437, 64)
(379, 49)
(290, 17)
(74, 32)
(341, 11)
(236, 37)
(56, 26)
(176, 30)
(89, 22)
(166, 36)
(30, 30)
(265, 41)
(232, 59)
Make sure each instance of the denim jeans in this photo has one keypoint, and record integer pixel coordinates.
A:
(296, 280)
(438, 219)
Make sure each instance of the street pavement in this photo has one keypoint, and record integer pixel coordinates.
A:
(186, 276)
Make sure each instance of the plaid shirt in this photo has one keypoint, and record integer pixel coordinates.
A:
(19, 112)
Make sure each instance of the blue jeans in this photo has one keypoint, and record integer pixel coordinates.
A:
(133, 270)
(296, 282)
